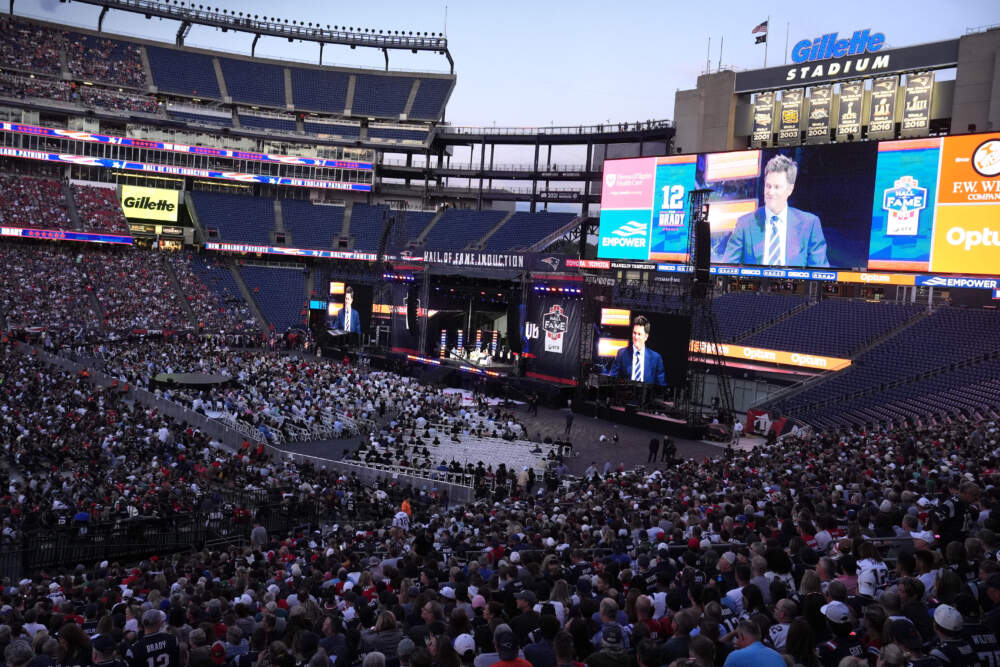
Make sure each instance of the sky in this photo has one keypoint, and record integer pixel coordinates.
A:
(523, 63)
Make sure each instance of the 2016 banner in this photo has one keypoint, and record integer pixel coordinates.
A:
(818, 121)
(763, 118)
(551, 337)
(852, 96)
(917, 105)
(882, 113)
(791, 116)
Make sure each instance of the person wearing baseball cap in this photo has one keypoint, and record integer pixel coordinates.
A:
(951, 648)
(505, 644)
(843, 642)
(465, 647)
(527, 619)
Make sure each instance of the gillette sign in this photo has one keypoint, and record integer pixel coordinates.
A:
(828, 46)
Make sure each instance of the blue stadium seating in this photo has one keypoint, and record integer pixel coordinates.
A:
(183, 72)
(525, 229)
(366, 226)
(396, 134)
(458, 228)
(430, 99)
(267, 123)
(350, 131)
(312, 226)
(856, 323)
(239, 219)
(319, 90)
(186, 117)
(416, 223)
(280, 294)
(381, 96)
(217, 277)
(737, 313)
(253, 82)
(959, 339)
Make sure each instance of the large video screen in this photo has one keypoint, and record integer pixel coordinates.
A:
(662, 339)
(915, 205)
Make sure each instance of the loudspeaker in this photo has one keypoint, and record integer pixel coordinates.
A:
(514, 325)
(412, 304)
(702, 251)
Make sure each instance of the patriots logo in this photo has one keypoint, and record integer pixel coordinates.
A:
(551, 262)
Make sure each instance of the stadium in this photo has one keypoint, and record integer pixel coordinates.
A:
(295, 370)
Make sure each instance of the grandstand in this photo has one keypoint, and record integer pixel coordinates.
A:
(186, 384)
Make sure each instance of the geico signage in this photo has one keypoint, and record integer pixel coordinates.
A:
(149, 203)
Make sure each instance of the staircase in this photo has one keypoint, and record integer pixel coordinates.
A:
(427, 230)
(481, 243)
(767, 325)
(262, 324)
(168, 267)
(74, 213)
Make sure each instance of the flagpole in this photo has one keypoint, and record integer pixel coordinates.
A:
(788, 28)
(721, 42)
(765, 38)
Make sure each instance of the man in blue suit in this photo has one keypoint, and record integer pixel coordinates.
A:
(347, 319)
(638, 362)
(777, 234)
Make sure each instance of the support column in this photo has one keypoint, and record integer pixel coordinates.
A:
(534, 178)
(482, 164)
(587, 183)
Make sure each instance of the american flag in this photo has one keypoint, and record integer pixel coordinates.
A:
(762, 27)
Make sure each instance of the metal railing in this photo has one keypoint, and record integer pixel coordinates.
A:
(599, 128)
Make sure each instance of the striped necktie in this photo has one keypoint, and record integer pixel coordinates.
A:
(636, 365)
(773, 256)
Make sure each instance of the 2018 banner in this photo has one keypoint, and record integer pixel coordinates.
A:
(917, 105)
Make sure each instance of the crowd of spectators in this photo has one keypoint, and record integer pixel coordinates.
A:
(850, 548)
(213, 312)
(134, 290)
(98, 59)
(99, 209)
(23, 87)
(33, 202)
(43, 287)
(737, 560)
(27, 46)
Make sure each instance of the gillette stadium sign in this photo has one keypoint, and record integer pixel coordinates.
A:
(833, 57)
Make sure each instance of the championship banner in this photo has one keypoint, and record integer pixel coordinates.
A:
(551, 337)
(882, 112)
(150, 203)
(917, 105)
(791, 116)
(763, 118)
(818, 121)
(852, 96)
